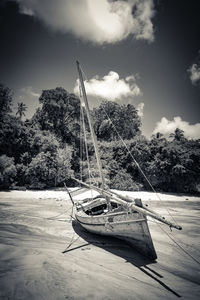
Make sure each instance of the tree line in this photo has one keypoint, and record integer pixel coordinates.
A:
(44, 151)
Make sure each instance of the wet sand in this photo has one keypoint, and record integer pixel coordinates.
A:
(45, 254)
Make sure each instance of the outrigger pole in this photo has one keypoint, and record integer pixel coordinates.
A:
(123, 200)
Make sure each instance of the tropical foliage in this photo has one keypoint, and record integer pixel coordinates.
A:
(45, 151)
(114, 121)
(5, 100)
(21, 109)
(59, 114)
(7, 171)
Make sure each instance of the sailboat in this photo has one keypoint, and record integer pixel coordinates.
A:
(110, 213)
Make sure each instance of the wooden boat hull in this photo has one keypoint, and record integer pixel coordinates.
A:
(128, 226)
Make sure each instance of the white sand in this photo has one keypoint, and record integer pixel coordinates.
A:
(36, 228)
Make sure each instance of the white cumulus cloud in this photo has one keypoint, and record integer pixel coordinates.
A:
(194, 71)
(110, 87)
(166, 126)
(140, 109)
(99, 21)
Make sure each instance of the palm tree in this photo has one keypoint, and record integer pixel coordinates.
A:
(178, 135)
(21, 108)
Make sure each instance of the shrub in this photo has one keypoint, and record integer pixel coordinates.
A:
(124, 181)
(48, 170)
(7, 171)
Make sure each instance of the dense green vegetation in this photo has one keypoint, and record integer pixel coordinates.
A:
(45, 151)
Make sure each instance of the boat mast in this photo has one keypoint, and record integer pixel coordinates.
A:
(94, 139)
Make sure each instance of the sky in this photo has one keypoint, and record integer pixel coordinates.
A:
(142, 52)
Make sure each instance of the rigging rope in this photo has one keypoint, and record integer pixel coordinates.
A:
(137, 164)
(81, 150)
(179, 246)
(173, 240)
(148, 181)
(133, 158)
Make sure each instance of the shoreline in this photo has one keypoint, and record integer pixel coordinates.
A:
(144, 195)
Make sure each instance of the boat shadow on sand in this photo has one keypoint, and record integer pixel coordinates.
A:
(121, 249)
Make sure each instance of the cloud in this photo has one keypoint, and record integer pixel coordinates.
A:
(140, 109)
(98, 21)
(28, 91)
(194, 71)
(166, 126)
(111, 87)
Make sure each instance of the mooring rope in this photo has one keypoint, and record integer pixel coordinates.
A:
(178, 245)
(133, 158)
(148, 181)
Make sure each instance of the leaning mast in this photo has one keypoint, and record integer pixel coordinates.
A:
(94, 139)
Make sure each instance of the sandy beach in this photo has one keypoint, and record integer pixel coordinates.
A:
(45, 254)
